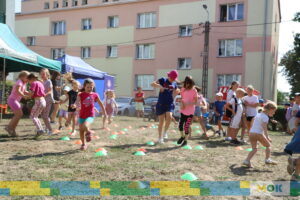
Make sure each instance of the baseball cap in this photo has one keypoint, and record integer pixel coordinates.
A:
(173, 74)
(261, 101)
(67, 88)
(219, 94)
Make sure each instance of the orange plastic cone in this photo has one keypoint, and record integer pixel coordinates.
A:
(141, 149)
(78, 142)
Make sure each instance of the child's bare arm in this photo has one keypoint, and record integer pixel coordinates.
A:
(102, 106)
(67, 98)
(265, 127)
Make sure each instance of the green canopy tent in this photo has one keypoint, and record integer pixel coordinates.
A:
(15, 56)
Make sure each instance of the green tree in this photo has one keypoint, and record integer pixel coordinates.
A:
(291, 62)
(281, 97)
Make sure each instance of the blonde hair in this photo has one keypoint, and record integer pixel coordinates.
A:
(240, 90)
(270, 105)
(76, 82)
(250, 87)
(23, 74)
(107, 92)
(69, 77)
(46, 71)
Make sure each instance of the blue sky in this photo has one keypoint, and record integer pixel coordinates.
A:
(287, 29)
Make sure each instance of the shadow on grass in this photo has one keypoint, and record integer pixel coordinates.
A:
(279, 153)
(216, 143)
(30, 137)
(17, 157)
(126, 146)
(159, 150)
(243, 171)
(156, 150)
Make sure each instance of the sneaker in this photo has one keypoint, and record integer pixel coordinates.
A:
(270, 162)
(161, 141)
(60, 128)
(184, 143)
(52, 122)
(39, 133)
(247, 163)
(165, 135)
(73, 133)
(224, 133)
(244, 141)
(9, 131)
(228, 138)
(50, 132)
(180, 140)
(291, 165)
(219, 133)
(235, 141)
(83, 147)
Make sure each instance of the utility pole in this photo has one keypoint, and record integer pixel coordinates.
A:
(205, 59)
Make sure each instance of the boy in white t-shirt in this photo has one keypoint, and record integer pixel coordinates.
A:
(237, 112)
(259, 133)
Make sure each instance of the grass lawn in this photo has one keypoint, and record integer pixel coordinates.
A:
(51, 159)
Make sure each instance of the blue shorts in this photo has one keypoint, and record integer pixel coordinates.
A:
(89, 120)
(198, 112)
(218, 118)
(163, 108)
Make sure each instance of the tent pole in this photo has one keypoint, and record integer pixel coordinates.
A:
(3, 88)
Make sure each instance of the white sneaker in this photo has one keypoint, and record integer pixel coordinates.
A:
(74, 133)
(161, 141)
(166, 135)
(50, 132)
(247, 163)
(270, 162)
(228, 139)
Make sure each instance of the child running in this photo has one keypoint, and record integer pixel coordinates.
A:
(37, 92)
(110, 105)
(259, 133)
(219, 112)
(45, 75)
(18, 92)
(63, 111)
(165, 103)
(87, 99)
(189, 97)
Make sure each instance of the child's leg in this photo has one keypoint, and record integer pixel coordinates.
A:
(168, 121)
(265, 142)
(187, 125)
(103, 121)
(253, 141)
(181, 124)
(73, 117)
(35, 112)
(45, 115)
(220, 126)
(15, 120)
(60, 120)
(82, 131)
(109, 119)
(234, 133)
(202, 124)
(160, 125)
(297, 170)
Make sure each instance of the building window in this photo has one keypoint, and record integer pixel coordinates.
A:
(31, 41)
(185, 31)
(46, 5)
(85, 52)
(58, 28)
(144, 81)
(229, 48)
(74, 2)
(84, 2)
(232, 12)
(184, 63)
(55, 4)
(227, 79)
(145, 51)
(86, 24)
(57, 53)
(65, 3)
(112, 51)
(113, 22)
(146, 20)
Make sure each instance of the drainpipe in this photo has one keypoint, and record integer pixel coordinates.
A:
(264, 47)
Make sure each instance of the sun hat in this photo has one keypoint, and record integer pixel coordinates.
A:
(219, 94)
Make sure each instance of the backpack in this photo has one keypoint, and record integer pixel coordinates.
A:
(228, 113)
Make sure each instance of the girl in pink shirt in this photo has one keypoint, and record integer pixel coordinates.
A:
(37, 92)
(87, 99)
(18, 92)
(189, 98)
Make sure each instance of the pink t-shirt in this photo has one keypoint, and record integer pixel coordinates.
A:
(87, 101)
(188, 97)
(14, 94)
(38, 89)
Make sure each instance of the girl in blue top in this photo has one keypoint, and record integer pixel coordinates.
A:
(165, 104)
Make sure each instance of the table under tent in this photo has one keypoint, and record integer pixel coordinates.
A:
(15, 57)
(82, 70)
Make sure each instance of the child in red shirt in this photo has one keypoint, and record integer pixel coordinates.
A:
(139, 102)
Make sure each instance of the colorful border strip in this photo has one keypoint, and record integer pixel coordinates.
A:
(149, 188)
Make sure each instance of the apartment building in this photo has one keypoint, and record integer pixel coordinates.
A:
(139, 41)
(7, 13)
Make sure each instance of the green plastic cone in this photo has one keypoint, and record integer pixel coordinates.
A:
(189, 176)
(199, 147)
(139, 153)
(150, 143)
(263, 147)
(113, 137)
(65, 138)
(187, 147)
(125, 129)
(249, 149)
(176, 143)
(198, 131)
(196, 127)
(101, 153)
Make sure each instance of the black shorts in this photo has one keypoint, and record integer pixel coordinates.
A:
(249, 119)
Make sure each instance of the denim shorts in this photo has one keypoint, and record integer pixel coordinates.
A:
(89, 120)
(198, 112)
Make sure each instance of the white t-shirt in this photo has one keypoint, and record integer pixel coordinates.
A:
(65, 105)
(239, 110)
(257, 126)
(230, 94)
(295, 107)
(250, 111)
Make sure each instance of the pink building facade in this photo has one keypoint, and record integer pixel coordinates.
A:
(139, 41)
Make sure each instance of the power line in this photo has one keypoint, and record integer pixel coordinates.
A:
(243, 25)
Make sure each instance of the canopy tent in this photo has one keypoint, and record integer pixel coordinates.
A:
(15, 56)
(82, 70)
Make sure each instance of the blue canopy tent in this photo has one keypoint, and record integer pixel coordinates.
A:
(82, 70)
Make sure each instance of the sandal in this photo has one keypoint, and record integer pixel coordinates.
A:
(83, 147)
(9, 131)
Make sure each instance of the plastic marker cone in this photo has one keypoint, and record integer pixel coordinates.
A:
(143, 150)
(116, 125)
(176, 143)
(65, 138)
(101, 153)
(249, 149)
(125, 129)
(189, 176)
(78, 142)
(196, 127)
(56, 131)
(199, 148)
(95, 137)
(188, 147)
(107, 129)
(100, 149)
(139, 153)
(198, 131)
(129, 127)
(150, 143)
(121, 133)
(113, 137)
(263, 147)
(239, 148)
